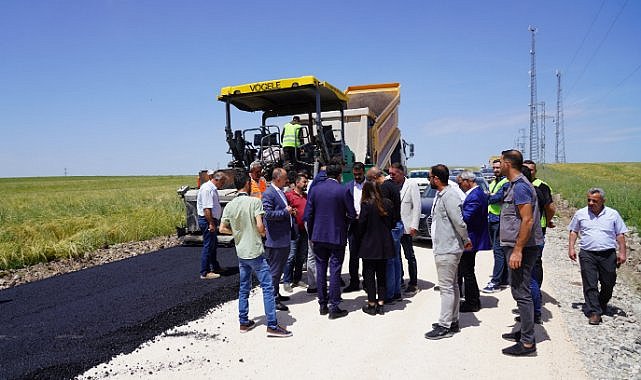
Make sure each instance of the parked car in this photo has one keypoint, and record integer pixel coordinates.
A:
(421, 177)
(427, 200)
(488, 174)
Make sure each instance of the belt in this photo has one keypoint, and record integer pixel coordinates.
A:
(604, 252)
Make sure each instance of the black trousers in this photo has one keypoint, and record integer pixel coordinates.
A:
(354, 247)
(374, 278)
(467, 279)
(598, 266)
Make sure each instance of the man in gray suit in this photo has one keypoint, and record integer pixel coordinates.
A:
(449, 239)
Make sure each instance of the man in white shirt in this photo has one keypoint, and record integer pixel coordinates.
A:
(601, 230)
(209, 213)
(410, 215)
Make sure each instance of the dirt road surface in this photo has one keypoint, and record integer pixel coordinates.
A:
(357, 346)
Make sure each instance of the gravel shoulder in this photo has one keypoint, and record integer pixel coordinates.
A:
(357, 345)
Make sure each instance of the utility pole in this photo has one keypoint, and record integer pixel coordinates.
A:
(542, 139)
(559, 128)
(534, 132)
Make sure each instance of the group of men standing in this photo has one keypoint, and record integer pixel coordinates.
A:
(276, 233)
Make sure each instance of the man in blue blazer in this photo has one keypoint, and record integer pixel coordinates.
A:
(330, 211)
(475, 216)
(278, 223)
(354, 191)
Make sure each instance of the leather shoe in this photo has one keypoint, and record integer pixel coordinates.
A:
(369, 309)
(312, 290)
(283, 298)
(595, 319)
(324, 310)
(337, 313)
(280, 306)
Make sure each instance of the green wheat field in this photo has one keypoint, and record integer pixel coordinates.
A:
(44, 219)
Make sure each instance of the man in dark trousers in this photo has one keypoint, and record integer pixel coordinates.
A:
(520, 237)
(354, 189)
(475, 217)
(330, 209)
(278, 222)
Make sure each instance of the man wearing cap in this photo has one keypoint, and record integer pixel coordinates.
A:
(209, 212)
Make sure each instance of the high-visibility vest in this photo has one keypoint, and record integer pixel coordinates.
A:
(537, 182)
(258, 188)
(290, 135)
(495, 208)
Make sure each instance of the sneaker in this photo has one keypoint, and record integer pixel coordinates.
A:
(512, 336)
(221, 270)
(337, 313)
(209, 276)
(288, 288)
(312, 290)
(278, 332)
(491, 288)
(454, 327)
(519, 350)
(244, 327)
(439, 332)
(537, 319)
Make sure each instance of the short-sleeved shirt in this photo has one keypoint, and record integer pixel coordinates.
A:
(208, 198)
(597, 232)
(241, 214)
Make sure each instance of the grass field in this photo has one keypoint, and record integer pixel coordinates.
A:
(42, 219)
(621, 182)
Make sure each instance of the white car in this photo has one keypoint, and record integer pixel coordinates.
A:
(421, 177)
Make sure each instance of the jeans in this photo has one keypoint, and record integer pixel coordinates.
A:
(499, 273)
(598, 266)
(293, 271)
(329, 255)
(311, 265)
(536, 282)
(467, 279)
(393, 268)
(276, 258)
(354, 246)
(260, 266)
(408, 251)
(208, 260)
(520, 285)
(446, 271)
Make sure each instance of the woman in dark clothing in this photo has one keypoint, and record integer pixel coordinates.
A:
(375, 225)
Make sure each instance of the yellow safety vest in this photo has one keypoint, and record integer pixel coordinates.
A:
(537, 182)
(290, 135)
(495, 208)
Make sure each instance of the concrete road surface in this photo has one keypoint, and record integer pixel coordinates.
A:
(358, 346)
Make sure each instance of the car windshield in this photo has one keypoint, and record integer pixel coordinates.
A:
(429, 193)
(419, 174)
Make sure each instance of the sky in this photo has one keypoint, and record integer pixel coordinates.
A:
(129, 87)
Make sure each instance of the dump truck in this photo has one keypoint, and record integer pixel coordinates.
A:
(359, 124)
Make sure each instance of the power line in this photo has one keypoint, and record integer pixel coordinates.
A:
(598, 47)
(586, 34)
(620, 83)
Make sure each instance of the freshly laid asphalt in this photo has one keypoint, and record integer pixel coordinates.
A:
(60, 327)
